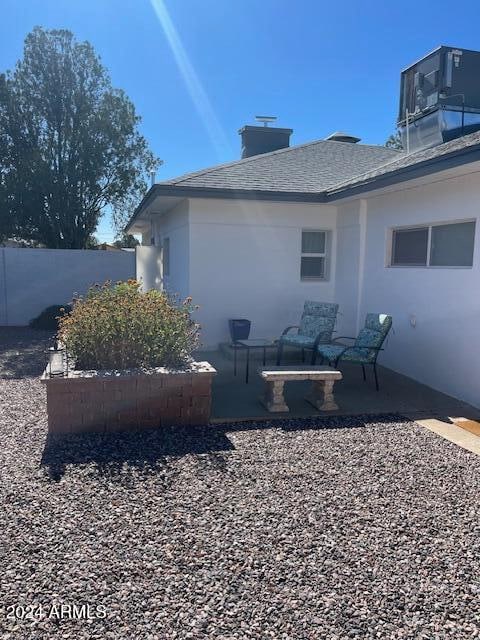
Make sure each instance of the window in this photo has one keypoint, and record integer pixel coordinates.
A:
(410, 247)
(313, 264)
(166, 256)
(452, 245)
(438, 245)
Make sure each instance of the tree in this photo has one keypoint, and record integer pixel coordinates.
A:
(394, 141)
(69, 144)
(91, 243)
(126, 241)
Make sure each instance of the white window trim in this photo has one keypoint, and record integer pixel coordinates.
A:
(325, 255)
(427, 225)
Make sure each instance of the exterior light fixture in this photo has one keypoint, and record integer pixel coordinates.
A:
(56, 357)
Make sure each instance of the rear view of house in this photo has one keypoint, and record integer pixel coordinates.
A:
(370, 228)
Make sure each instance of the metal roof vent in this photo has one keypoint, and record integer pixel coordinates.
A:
(340, 136)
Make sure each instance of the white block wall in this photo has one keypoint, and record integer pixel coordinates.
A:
(33, 279)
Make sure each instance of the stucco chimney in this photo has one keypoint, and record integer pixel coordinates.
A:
(263, 139)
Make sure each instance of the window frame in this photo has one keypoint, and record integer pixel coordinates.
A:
(428, 226)
(325, 255)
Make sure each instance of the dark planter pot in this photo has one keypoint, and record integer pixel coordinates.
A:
(105, 401)
(239, 329)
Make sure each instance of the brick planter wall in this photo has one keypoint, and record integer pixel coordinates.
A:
(111, 401)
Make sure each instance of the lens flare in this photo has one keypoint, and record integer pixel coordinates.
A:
(194, 85)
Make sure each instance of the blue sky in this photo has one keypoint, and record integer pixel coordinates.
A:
(197, 70)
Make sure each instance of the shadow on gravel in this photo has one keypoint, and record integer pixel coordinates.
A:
(123, 456)
(315, 423)
(22, 352)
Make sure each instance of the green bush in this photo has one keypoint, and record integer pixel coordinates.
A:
(120, 327)
(48, 319)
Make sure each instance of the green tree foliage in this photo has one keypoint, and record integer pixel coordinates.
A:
(126, 241)
(69, 144)
(394, 141)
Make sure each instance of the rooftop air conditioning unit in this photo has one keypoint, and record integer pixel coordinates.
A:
(439, 98)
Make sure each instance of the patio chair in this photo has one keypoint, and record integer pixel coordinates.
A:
(316, 327)
(365, 348)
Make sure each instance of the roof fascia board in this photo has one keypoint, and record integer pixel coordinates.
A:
(237, 194)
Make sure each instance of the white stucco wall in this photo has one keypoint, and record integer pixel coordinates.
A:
(33, 279)
(245, 263)
(175, 225)
(149, 267)
(349, 265)
(442, 349)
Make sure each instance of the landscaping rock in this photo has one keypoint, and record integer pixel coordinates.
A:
(329, 528)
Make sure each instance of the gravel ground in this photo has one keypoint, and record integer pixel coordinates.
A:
(22, 352)
(327, 529)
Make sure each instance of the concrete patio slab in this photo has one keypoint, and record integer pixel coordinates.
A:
(233, 399)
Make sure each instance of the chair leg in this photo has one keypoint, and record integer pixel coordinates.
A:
(279, 353)
(303, 355)
(314, 356)
(364, 374)
(376, 377)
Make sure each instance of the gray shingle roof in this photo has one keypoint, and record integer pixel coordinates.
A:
(310, 168)
(312, 171)
(405, 161)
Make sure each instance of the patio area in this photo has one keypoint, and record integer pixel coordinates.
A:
(233, 399)
(23, 355)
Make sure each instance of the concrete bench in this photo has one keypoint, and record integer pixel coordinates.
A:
(320, 394)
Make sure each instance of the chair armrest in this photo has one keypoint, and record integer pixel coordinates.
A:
(356, 346)
(293, 326)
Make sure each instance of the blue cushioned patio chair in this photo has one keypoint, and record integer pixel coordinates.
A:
(366, 347)
(316, 327)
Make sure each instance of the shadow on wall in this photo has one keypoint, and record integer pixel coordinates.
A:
(125, 457)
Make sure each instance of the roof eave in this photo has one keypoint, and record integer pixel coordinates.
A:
(213, 192)
(141, 207)
(418, 170)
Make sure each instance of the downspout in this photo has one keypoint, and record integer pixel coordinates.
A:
(362, 220)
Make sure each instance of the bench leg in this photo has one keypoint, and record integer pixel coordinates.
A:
(273, 399)
(321, 395)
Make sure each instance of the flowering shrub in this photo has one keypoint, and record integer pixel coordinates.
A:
(120, 327)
